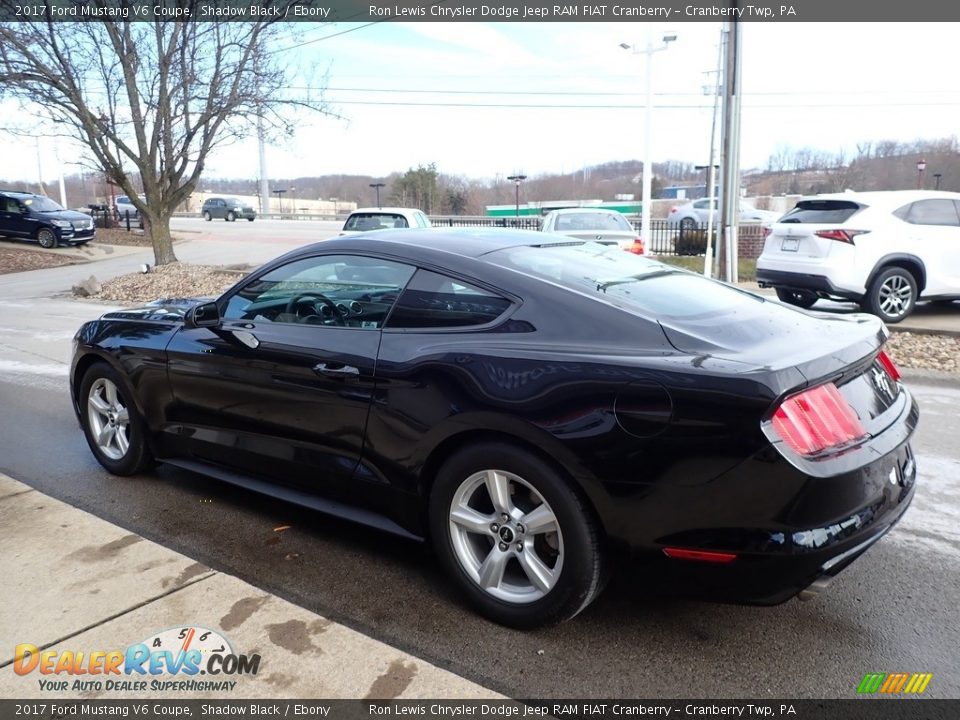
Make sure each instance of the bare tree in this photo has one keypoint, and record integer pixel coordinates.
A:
(156, 97)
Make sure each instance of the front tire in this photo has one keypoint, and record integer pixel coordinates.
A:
(514, 535)
(47, 238)
(891, 295)
(207, 216)
(800, 298)
(111, 424)
(250, 219)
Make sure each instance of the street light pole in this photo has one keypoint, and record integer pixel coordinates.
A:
(647, 200)
(377, 186)
(921, 166)
(517, 179)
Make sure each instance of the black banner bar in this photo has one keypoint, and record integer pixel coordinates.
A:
(858, 709)
(671, 11)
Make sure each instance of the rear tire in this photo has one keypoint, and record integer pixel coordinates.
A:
(892, 295)
(511, 532)
(800, 298)
(47, 238)
(688, 224)
(111, 424)
(231, 217)
(250, 219)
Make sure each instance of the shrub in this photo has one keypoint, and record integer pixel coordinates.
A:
(691, 242)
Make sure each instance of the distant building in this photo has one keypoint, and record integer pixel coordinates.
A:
(684, 192)
(542, 208)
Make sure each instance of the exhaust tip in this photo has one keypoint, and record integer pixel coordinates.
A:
(814, 588)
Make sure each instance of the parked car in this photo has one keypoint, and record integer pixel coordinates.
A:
(391, 218)
(536, 407)
(884, 250)
(27, 216)
(228, 208)
(696, 214)
(124, 206)
(607, 227)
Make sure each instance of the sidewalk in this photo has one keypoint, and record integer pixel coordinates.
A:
(75, 583)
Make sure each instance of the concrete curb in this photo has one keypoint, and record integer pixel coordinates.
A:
(92, 586)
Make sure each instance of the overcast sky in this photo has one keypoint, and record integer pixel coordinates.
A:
(481, 99)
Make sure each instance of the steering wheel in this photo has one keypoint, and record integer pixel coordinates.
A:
(297, 299)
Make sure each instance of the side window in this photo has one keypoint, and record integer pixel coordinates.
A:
(930, 212)
(437, 301)
(330, 290)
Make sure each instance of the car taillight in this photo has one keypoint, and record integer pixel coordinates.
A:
(846, 236)
(673, 209)
(816, 420)
(888, 365)
(636, 247)
(766, 231)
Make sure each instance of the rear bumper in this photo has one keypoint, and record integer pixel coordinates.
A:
(819, 284)
(788, 528)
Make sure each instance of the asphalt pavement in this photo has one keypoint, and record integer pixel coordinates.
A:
(318, 594)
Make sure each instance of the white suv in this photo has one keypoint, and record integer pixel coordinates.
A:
(883, 250)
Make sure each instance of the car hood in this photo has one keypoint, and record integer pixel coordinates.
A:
(68, 215)
(167, 309)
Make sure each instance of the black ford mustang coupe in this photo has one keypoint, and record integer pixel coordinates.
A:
(537, 408)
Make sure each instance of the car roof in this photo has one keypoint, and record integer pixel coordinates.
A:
(397, 210)
(425, 244)
(587, 209)
(19, 193)
(893, 198)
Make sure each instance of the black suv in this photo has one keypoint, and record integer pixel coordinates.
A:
(35, 217)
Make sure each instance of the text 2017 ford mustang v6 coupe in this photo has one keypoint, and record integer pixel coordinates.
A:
(538, 408)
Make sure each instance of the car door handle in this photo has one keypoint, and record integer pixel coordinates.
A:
(338, 370)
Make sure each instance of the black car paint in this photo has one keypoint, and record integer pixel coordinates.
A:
(28, 222)
(670, 446)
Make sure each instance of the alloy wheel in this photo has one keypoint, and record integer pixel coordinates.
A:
(506, 537)
(108, 419)
(895, 296)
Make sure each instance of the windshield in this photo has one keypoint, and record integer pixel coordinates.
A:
(375, 221)
(654, 289)
(42, 204)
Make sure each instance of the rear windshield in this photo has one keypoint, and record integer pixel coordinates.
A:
(653, 289)
(592, 221)
(375, 221)
(822, 211)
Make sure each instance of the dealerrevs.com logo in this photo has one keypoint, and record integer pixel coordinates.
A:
(171, 660)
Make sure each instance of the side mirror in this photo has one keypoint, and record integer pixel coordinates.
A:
(204, 315)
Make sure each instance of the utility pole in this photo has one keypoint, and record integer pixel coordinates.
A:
(264, 183)
(730, 152)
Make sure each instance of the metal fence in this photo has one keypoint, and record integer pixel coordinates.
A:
(531, 222)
